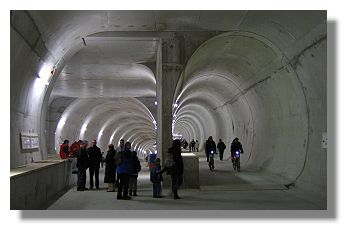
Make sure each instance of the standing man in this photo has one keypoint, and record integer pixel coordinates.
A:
(221, 147)
(197, 145)
(124, 167)
(82, 165)
(118, 154)
(95, 157)
(136, 167)
(193, 145)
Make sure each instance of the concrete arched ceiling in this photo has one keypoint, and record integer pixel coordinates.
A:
(102, 119)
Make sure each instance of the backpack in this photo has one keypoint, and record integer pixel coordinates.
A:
(139, 167)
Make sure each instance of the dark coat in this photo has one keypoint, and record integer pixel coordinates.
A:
(236, 146)
(221, 146)
(82, 159)
(110, 167)
(136, 164)
(95, 156)
(210, 145)
(177, 167)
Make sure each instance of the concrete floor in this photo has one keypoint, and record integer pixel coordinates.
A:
(222, 189)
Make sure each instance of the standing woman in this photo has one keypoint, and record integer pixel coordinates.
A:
(110, 168)
(176, 168)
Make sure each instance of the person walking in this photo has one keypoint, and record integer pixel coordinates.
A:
(136, 167)
(110, 168)
(95, 158)
(193, 145)
(221, 147)
(124, 167)
(197, 145)
(176, 168)
(82, 165)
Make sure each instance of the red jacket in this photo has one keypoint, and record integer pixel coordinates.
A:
(64, 151)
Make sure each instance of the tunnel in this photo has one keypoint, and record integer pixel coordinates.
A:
(148, 76)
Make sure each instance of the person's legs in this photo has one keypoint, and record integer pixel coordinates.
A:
(125, 181)
(132, 185)
(96, 172)
(133, 181)
(118, 180)
(73, 162)
(221, 155)
(84, 181)
(91, 173)
(79, 180)
(119, 186)
(158, 189)
(154, 190)
(175, 184)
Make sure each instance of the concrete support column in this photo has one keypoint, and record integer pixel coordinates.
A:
(168, 72)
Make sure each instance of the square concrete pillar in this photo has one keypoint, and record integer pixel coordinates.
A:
(167, 75)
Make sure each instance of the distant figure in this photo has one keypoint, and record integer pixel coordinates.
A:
(193, 145)
(156, 178)
(82, 165)
(176, 168)
(209, 145)
(102, 159)
(119, 150)
(136, 167)
(64, 150)
(185, 144)
(110, 168)
(124, 167)
(221, 147)
(95, 158)
(197, 145)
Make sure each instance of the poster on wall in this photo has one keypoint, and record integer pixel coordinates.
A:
(26, 142)
(29, 141)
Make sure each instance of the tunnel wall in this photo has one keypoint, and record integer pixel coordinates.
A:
(265, 84)
(25, 95)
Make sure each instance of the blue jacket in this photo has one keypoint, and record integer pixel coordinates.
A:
(155, 177)
(126, 165)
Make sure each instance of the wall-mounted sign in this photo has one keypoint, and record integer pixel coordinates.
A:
(29, 141)
(324, 140)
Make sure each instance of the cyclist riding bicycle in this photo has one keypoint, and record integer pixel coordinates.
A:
(236, 150)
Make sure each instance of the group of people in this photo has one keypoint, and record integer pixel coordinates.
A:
(192, 146)
(83, 158)
(122, 166)
(211, 147)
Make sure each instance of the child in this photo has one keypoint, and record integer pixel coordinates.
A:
(156, 178)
